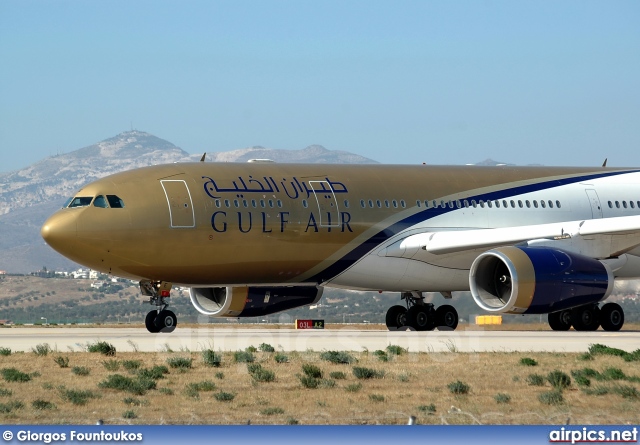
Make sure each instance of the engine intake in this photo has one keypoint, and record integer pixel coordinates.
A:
(251, 301)
(537, 280)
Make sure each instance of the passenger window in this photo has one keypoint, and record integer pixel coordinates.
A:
(482, 203)
(304, 203)
(558, 204)
(458, 203)
(262, 203)
(100, 202)
(489, 204)
(418, 203)
(395, 204)
(227, 203)
(236, 203)
(244, 203)
(513, 204)
(466, 204)
(617, 204)
(378, 203)
(631, 204)
(346, 203)
(610, 205)
(402, 203)
(279, 203)
(543, 204)
(271, 203)
(426, 204)
(217, 203)
(550, 204)
(371, 203)
(535, 203)
(115, 202)
(519, 203)
(386, 203)
(528, 204)
(253, 203)
(435, 203)
(81, 201)
(504, 203)
(624, 204)
(474, 203)
(362, 204)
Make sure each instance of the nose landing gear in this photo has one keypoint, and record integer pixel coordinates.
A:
(160, 319)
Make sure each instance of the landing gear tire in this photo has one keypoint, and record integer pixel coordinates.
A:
(420, 318)
(166, 321)
(446, 318)
(585, 318)
(150, 322)
(396, 317)
(560, 321)
(611, 317)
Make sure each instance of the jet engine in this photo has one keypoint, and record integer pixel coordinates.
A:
(251, 301)
(537, 280)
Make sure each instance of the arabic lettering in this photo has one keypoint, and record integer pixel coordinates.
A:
(293, 188)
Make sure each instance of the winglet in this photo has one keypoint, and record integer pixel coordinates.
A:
(604, 164)
(205, 155)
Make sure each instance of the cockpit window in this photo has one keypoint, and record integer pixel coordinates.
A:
(81, 201)
(100, 202)
(67, 202)
(115, 202)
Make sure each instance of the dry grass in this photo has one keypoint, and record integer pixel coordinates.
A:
(411, 382)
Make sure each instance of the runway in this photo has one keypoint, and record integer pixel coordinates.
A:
(233, 339)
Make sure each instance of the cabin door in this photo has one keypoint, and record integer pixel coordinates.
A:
(596, 209)
(327, 204)
(181, 215)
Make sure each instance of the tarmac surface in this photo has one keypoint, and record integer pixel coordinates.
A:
(347, 339)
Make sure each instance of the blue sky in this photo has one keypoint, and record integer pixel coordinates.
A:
(442, 82)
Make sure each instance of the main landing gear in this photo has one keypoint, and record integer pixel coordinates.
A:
(160, 319)
(421, 316)
(588, 318)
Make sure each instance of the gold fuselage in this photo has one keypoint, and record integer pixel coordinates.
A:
(263, 223)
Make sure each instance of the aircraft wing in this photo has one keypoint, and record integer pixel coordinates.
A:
(617, 234)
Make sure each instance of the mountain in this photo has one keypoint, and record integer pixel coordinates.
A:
(28, 196)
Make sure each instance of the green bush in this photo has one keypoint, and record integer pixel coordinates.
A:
(180, 362)
(6, 408)
(338, 357)
(613, 374)
(366, 373)
(312, 370)
(243, 357)
(251, 349)
(61, 361)
(220, 375)
(292, 421)
(502, 398)
(129, 414)
(80, 370)
(553, 397)
(281, 358)
(427, 408)
(138, 386)
(166, 391)
(111, 365)
(264, 347)
(40, 404)
(103, 348)
(260, 374)
(202, 386)
(211, 358)
(5, 352)
(224, 396)
(526, 361)
(597, 391)
(396, 350)
(381, 355)
(77, 397)
(271, 411)
(132, 401)
(559, 379)
(13, 375)
(42, 349)
(626, 391)
(458, 387)
(535, 380)
(309, 382)
(353, 387)
(582, 380)
(156, 373)
(5, 392)
(376, 397)
(585, 357)
(131, 365)
(338, 375)
(598, 349)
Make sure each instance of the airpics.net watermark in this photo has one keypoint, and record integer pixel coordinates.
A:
(72, 436)
(588, 435)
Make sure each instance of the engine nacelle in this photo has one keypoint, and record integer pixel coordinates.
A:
(251, 301)
(537, 280)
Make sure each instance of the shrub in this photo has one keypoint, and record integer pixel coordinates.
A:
(597, 391)
(381, 355)
(13, 375)
(224, 396)
(40, 404)
(535, 380)
(502, 398)
(458, 387)
(5, 392)
(309, 382)
(138, 386)
(367, 373)
(582, 380)
(599, 349)
(396, 350)
(80, 370)
(131, 365)
(210, 358)
(103, 348)
(626, 391)
(259, 374)
(5, 352)
(155, 373)
(133, 401)
(526, 361)
(180, 362)
(403, 377)
(613, 374)
(292, 421)
(129, 414)
(111, 365)
(61, 361)
(42, 349)
(6, 408)
(559, 379)
(251, 349)
(376, 397)
(271, 411)
(281, 358)
(338, 375)
(77, 397)
(220, 375)
(166, 391)
(264, 347)
(553, 397)
(243, 357)
(338, 357)
(353, 387)
(201, 386)
(312, 370)
(430, 409)
(585, 357)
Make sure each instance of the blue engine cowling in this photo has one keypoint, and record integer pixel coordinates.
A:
(247, 301)
(537, 280)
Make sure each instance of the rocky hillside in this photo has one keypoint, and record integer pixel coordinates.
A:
(28, 196)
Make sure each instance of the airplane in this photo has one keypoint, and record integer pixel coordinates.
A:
(252, 239)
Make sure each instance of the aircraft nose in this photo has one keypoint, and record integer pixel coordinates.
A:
(60, 230)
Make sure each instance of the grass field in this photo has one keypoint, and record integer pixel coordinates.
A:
(377, 387)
